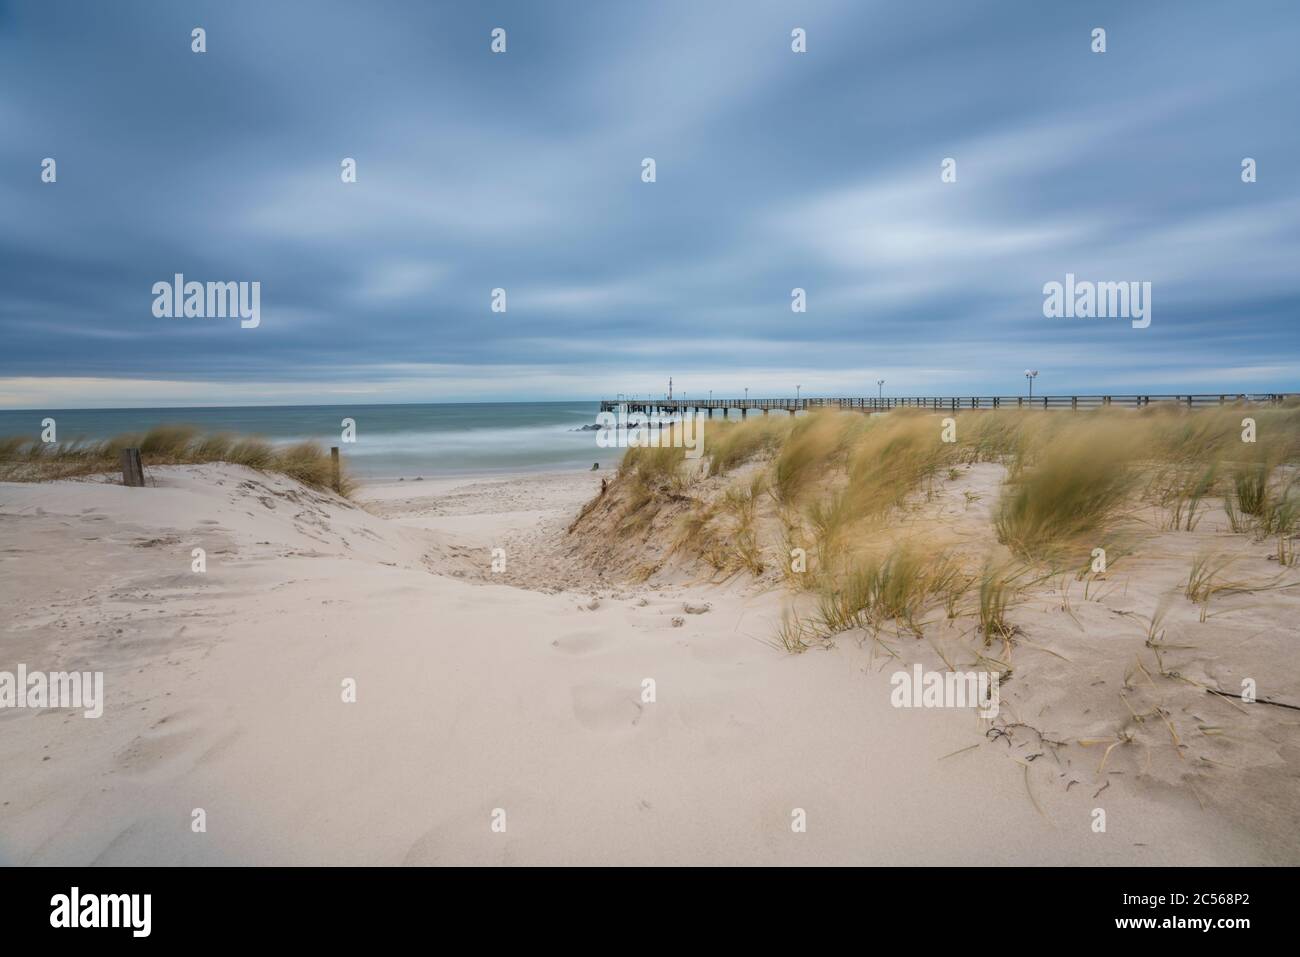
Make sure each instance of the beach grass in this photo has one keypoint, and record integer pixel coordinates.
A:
(24, 459)
(848, 492)
(1067, 489)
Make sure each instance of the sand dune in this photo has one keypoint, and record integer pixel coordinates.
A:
(522, 691)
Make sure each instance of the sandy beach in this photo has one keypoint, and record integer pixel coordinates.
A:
(518, 696)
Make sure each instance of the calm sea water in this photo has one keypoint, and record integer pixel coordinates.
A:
(392, 440)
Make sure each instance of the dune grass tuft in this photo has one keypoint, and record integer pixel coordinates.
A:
(730, 444)
(898, 585)
(1068, 491)
(654, 467)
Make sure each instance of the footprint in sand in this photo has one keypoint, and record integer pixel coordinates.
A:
(606, 708)
(166, 740)
(714, 719)
(581, 643)
(466, 836)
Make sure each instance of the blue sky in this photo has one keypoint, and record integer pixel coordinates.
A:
(522, 170)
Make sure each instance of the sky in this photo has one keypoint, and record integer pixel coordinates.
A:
(523, 171)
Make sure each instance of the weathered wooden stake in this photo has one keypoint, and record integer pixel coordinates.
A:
(334, 461)
(132, 470)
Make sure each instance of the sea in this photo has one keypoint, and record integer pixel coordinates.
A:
(392, 441)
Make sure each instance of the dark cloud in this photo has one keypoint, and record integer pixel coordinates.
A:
(522, 171)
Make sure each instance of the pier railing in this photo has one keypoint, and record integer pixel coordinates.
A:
(949, 403)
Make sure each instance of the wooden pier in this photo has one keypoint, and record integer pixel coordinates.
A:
(955, 403)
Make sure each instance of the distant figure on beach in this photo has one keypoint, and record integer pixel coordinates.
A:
(595, 466)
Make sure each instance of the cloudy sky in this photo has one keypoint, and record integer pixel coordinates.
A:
(522, 170)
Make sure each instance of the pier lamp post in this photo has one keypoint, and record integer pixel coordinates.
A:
(880, 389)
(796, 395)
(746, 393)
(1031, 375)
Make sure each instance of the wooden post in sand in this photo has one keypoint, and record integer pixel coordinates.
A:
(334, 463)
(132, 470)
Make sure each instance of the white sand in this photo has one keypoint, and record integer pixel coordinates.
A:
(224, 693)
